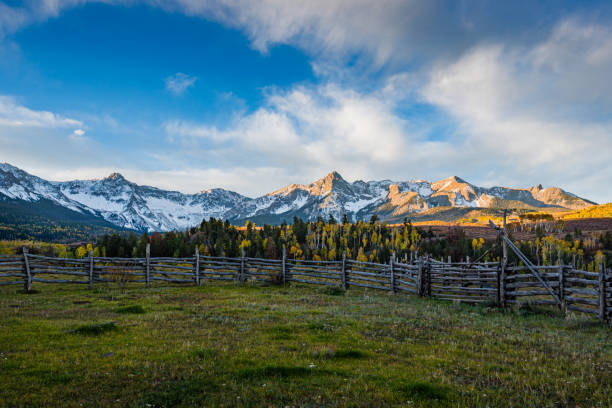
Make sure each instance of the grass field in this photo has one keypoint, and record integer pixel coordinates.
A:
(226, 345)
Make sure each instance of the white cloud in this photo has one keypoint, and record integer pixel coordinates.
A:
(512, 127)
(13, 114)
(179, 82)
(239, 179)
(380, 33)
(308, 130)
(542, 112)
(78, 136)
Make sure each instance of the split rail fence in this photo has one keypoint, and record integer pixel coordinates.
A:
(482, 282)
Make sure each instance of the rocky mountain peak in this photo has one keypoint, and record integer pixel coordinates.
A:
(452, 183)
(129, 205)
(332, 182)
(115, 177)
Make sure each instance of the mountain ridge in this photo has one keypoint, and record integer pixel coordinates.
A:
(139, 207)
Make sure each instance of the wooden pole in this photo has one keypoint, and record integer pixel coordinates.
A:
(428, 277)
(242, 279)
(344, 277)
(148, 265)
(284, 265)
(196, 271)
(28, 278)
(91, 268)
(499, 302)
(502, 278)
(561, 283)
(392, 271)
(602, 294)
(420, 288)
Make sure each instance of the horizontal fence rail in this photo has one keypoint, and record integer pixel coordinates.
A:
(489, 283)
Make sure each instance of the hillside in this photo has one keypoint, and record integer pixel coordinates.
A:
(48, 221)
(595, 211)
(117, 201)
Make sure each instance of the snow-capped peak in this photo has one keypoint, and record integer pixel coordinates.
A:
(129, 205)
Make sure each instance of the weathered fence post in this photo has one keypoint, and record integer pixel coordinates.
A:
(344, 277)
(602, 294)
(498, 294)
(196, 271)
(148, 265)
(562, 286)
(241, 278)
(392, 271)
(91, 268)
(504, 264)
(420, 281)
(428, 277)
(502, 283)
(608, 296)
(28, 275)
(284, 265)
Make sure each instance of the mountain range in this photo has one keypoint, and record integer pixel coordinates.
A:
(115, 201)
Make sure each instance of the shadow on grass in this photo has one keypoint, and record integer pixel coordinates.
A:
(183, 392)
(527, 309)
(280, 371)
(49, 377)
(332, 291)
(349, 354)
(422, 391)
(134, 309)
(332, 353)
(27, 292)
(94, 329)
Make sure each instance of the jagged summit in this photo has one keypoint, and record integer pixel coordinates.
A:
(129, 205)
(333, 181)
(115, 177)
(334, 175)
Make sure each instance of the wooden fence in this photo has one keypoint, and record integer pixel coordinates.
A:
(484, 282)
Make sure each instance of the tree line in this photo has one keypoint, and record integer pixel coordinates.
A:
(372, 241)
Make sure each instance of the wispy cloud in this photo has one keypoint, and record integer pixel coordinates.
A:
(178, 83)
(78, 136)
(14, 114)
(542, 111)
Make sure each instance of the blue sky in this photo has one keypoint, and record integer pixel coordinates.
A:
(251, 96)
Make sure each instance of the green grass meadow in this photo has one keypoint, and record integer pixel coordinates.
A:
(294, 346)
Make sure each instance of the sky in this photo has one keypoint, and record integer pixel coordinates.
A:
(254, 95)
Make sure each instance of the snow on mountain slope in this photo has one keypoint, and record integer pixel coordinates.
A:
(145, 208)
